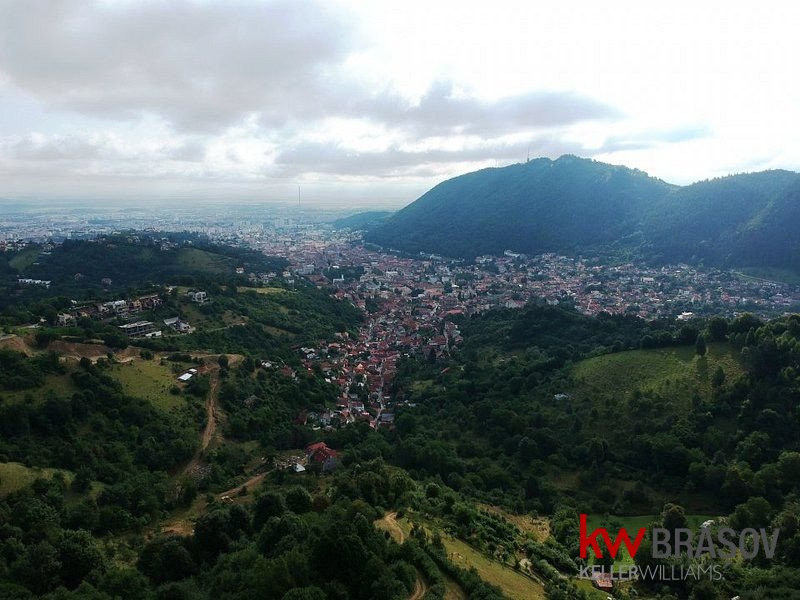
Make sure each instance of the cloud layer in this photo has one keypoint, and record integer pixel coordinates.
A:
(272, 91)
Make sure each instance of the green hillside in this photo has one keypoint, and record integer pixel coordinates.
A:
(15, 476)
(672, 370)
(542, 206)
(362, 220)
(82, 267)
(574, 205)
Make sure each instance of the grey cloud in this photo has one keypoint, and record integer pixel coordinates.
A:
(332, 159)
(201, 66)
(206, 66)
(190, 151)
(441, 111)
(649, 138)
(77, 152)
(312, 157)
(29, 148)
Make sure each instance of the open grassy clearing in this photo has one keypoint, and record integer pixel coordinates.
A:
(151, 381)
(513, 583)
(769, 274)
(59, 385)
(194, 259)
(538, 527)
(261, 290)
(24, 259)
(453, 591)
(670, 370)
(203, 322)
(15, 476)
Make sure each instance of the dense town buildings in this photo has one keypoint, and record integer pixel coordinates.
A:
(413, 303)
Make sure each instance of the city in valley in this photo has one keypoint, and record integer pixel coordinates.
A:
(410, 302)
(399, 301)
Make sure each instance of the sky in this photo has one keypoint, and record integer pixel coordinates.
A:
(376, 101)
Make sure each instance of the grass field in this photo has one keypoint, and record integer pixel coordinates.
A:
(539, 528)
(769, 274)
(59, 385)
(196, 318)
(513, 583)
(200, 321)
(15, 476)
(194, 259)
(453, 591)
(668, 369)
(149, 380)
(24, 259)
(260, 290)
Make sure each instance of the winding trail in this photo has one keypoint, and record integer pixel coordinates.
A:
(397, 532)
(212, 413)
(249, 484)
(420, 588)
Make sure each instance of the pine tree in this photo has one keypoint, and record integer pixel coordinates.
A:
(700, 346)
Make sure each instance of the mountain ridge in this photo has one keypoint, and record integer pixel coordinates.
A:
(576, 205)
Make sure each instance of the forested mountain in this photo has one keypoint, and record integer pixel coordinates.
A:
(87, 268)
(574, 205)
(121, 477)
(362, 220)
(549, 411)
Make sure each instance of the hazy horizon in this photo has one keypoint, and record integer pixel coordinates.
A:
(372, 104)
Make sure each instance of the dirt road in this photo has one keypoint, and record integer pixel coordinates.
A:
(390, 522)
(212, 413)
(249, 484)
(420, 588)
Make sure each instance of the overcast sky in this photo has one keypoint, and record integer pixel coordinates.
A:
(378, 100)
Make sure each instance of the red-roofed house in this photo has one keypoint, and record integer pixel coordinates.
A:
(320, 453)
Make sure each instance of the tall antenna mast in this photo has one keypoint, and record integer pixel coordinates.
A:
(298, 195)
(529, 156)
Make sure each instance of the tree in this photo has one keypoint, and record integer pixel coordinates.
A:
(211, 535)
(789, 465)
(754, 513)
(79, 555)
(83, 480)
(686, 335)
(270, 504)
(717, 329)
(43, 338)
(304, 593)
(673, 516)
(222, 361)
(718, 378)
(166, 559)
(124, 582)
(700, 345)
(38, 567)
(298, 500)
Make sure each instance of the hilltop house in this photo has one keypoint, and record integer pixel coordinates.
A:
(139, 329)
(65, 319)
(198, 296)
(178, 324)
(320, 453)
